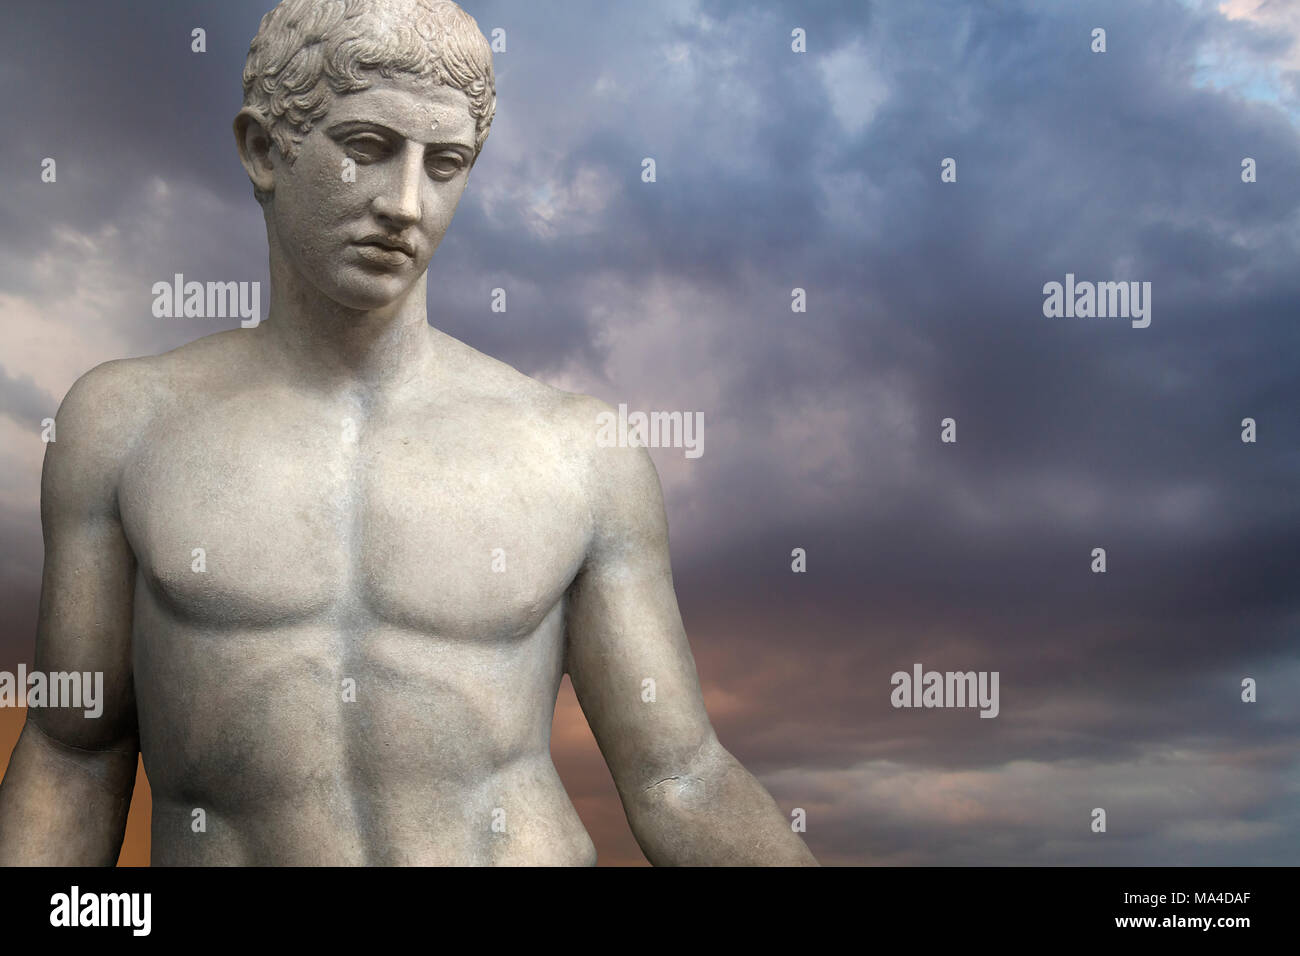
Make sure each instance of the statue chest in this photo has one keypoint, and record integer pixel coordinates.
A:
(256, 516)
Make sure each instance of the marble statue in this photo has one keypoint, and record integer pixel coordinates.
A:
(334, 567)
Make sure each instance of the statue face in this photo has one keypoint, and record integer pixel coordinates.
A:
(365, 243)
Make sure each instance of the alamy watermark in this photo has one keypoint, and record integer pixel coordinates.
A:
(946, 689)
(75, 908)
(179, 299)
(651, 430)
(1101, 300)
(84, 689)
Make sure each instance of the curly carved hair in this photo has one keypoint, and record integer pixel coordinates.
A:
(307, 51)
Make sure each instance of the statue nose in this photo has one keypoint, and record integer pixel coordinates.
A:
(399, 200)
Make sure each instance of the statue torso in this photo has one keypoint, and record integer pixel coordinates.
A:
(348, 620)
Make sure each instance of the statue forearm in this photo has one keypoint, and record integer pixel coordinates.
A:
(713, 813)
(60, 806)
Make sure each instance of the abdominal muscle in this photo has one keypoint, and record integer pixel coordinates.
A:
(307, 745)
(419, 828)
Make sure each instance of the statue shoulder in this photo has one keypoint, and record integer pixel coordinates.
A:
(100, 420)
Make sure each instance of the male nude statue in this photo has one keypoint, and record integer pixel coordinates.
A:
(405, 543)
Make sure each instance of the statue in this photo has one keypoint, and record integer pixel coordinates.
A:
(333, 567)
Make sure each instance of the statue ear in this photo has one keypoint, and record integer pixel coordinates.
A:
(253, 139)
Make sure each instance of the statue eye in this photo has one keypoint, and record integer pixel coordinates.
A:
(446, 164)
(367, 147)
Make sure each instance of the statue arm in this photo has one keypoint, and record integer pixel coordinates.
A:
(66, 792)
(687, 800)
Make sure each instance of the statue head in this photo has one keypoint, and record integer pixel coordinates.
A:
(361, 121)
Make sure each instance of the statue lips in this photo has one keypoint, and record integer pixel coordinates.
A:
(385, 250)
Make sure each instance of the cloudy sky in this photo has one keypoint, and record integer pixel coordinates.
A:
(818, 170)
